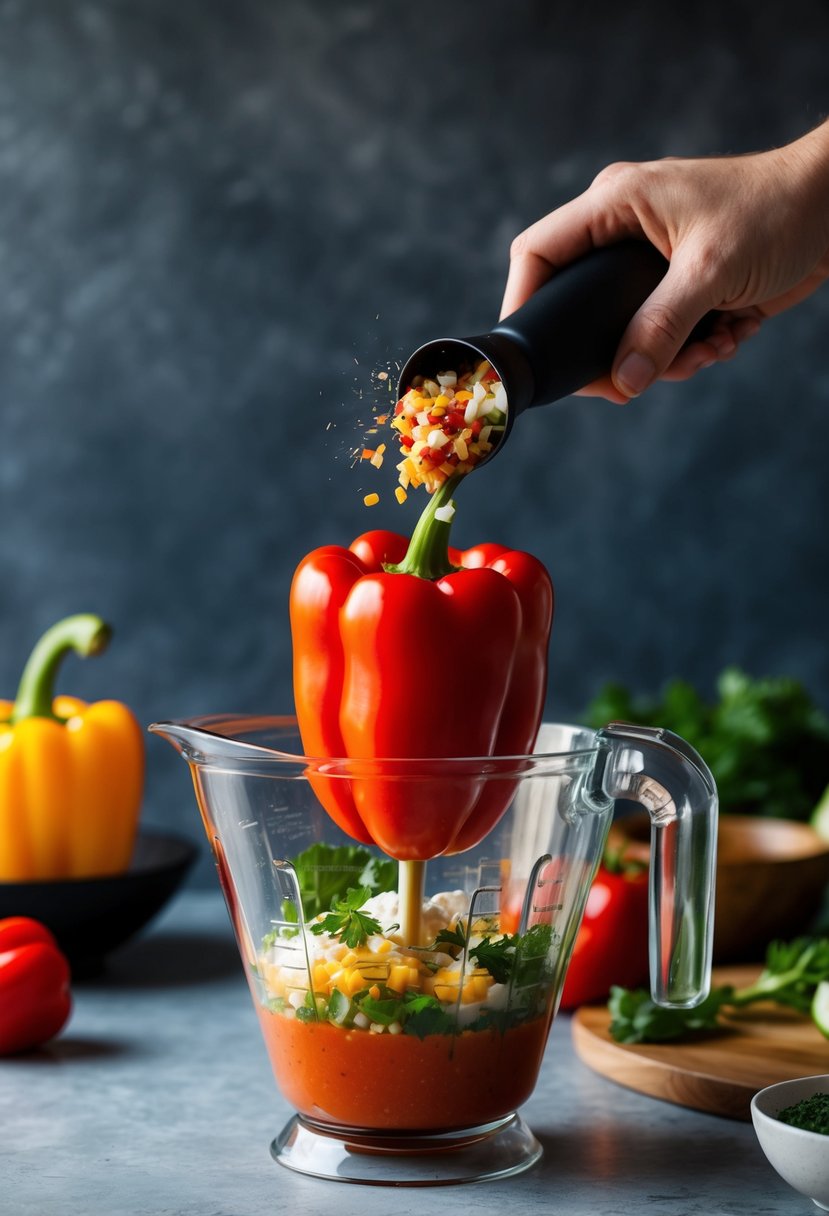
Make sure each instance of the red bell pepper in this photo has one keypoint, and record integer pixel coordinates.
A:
(612, 943)
(34, 985)
(411, 650)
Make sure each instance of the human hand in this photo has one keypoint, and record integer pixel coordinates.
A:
(747, 236)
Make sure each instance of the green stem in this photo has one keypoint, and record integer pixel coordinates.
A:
(428, 553)
(765, 987)
(85, 634)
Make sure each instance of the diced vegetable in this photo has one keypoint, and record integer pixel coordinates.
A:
(447, 426)
(464, 979)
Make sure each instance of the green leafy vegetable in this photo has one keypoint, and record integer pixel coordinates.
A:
(811, 1114)
(382, 1010)
(347, 922)
(764, 740)
(380, 874)
(531, 956)
(496, 956)
(525, 957)
(424, 1015)
(326, 872)
(636, 1019)
(790, 977)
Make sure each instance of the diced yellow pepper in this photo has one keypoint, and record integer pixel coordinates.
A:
(399, 977)
(353, 981)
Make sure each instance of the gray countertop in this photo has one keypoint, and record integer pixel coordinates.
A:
(158, 1099)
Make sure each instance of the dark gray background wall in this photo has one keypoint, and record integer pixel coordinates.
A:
(218, 219)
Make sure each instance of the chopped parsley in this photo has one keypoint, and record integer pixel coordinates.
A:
(347, 922)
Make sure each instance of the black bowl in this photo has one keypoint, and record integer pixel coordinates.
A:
(92, 916)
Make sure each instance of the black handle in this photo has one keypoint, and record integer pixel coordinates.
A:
(568, 331)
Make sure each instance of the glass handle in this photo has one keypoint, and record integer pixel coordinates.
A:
(672, 782)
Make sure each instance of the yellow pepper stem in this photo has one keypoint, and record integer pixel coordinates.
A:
(84, 633)
(410, 890)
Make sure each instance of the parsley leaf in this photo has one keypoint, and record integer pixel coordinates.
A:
(326, 872)
(791, 975)
(636, 1019)
(497, 957)
(424, 1015)
(347, 922)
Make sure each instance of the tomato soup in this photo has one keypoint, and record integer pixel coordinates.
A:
(401, 1082)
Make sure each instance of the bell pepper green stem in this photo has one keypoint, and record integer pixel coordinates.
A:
(85, 634)
(428, 553)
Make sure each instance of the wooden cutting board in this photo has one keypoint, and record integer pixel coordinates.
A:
(719, 1071)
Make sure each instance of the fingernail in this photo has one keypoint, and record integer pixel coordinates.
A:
(635, 373)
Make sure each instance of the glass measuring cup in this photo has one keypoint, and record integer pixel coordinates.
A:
(427, 1091)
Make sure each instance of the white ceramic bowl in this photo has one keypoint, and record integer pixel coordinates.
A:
(801, 1158)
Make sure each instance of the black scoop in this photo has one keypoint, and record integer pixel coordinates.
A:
(564, 337)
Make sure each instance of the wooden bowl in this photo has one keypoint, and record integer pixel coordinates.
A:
(771, 879)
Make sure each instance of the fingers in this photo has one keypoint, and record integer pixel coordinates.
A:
(722, 344)
(653, 339)
(527, 272)
(728, 334)
(603, 387)
(552, 242)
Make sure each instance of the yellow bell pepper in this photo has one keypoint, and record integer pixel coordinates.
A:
(71, 774)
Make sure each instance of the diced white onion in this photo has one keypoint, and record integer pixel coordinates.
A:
(437, 439)
(361, 1020)
(447, 378)
(445, 514)
(500, 397)
(478, 393)
(471, 412)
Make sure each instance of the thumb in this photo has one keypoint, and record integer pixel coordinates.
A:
(658, 330)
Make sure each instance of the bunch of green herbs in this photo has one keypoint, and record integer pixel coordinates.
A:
(765, 740)
(793, 970)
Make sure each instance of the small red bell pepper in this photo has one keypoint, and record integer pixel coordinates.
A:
(411, 650)
(612, 943)
(35, 1001)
